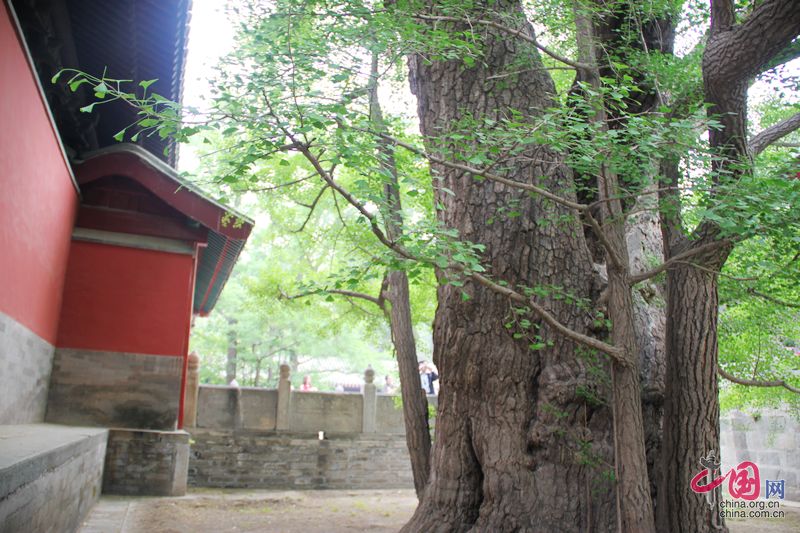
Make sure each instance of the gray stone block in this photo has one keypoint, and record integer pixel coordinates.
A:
(146, 463)
(25, 364)
(114, 389)
(319, 411)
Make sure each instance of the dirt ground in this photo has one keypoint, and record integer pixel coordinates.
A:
(212, 511)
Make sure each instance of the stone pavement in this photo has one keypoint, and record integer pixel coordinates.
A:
(108, 515)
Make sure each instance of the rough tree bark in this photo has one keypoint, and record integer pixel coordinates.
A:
(517, 448)
(734, 54)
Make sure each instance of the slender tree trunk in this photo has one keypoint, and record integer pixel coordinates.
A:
(231, 362)
(415, 405)
(636, 506)
(518, 448)
(635, 509)
(258, 373)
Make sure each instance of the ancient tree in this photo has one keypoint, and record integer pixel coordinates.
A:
(735, 53)
(544, 336)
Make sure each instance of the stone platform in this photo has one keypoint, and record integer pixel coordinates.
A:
(50, 476)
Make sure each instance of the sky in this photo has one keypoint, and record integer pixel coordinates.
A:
(210, 37)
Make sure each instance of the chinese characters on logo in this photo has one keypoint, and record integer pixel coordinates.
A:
(744, 481)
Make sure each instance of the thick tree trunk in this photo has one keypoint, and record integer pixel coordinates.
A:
(519, 447)
(691, 416)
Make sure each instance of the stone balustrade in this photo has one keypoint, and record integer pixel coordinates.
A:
(246, 437)
(227, 408)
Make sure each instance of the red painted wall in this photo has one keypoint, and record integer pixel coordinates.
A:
(37, 198)
(126, 300)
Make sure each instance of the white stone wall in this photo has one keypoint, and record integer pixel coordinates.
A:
(770, 440)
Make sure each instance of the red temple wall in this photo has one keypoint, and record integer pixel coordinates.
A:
(119, 299)
(37, 197)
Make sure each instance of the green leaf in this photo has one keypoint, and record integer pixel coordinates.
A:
(87, 108)
(100, 90)
(144, 84)
(56, 76)
(120, 135)
(77, 83)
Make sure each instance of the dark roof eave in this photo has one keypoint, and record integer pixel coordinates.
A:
(140, 165)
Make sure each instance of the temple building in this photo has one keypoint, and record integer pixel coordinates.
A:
(106, 254)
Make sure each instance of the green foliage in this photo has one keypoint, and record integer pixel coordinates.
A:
(759, 337)
(290, 122)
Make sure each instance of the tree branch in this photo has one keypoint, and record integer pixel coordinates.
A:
(772, 299)
(789, 53)
(350, 294)
(736, 53)
(511, 31)
(768, 136)
(582, 208)
(680, 258)
(311, 208)
(723, 15)
(616, 353)
(488, 175)
(758, 383)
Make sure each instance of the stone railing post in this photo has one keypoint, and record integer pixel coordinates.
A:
(370, 401)
(282, 422)
(192, 387)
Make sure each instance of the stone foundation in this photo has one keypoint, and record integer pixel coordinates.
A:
(114, 389)
(146, 463)
(248, 459)
(25, 362)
